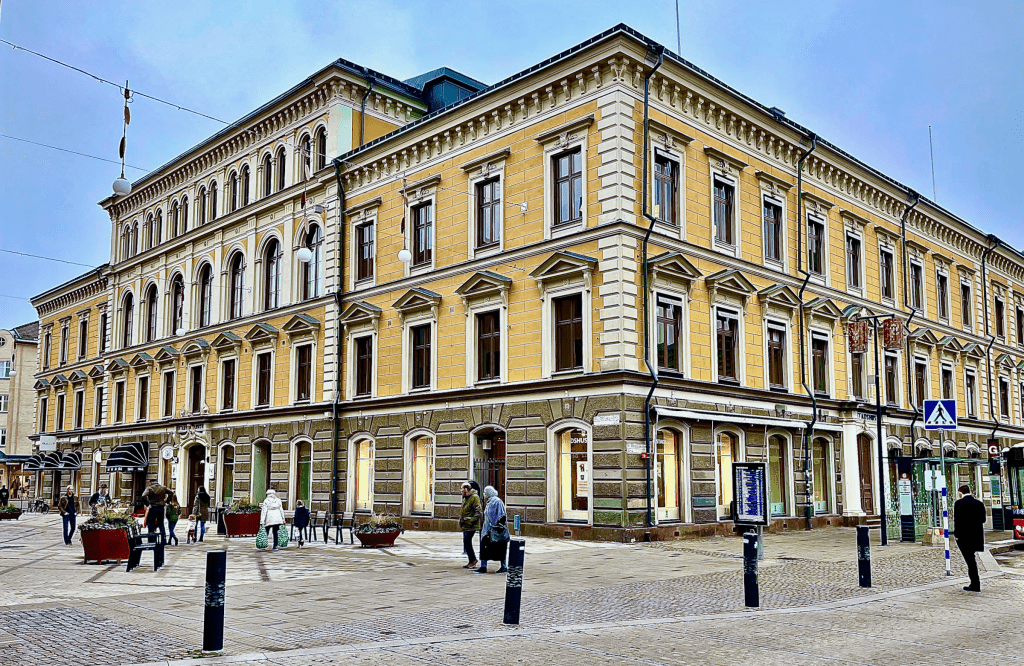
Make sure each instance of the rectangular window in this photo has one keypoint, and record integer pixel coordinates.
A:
(885, 267)
(83, 337)
(143, 399)
(169, 393)
(728, 326)
(63, 344)
(119, 402)
(364, 365)
(4, 398)
(99, 407)
(263, 379)
(772, 231)
(44, 413)
(569, 333)
(965, 304)
(815, 247)
(723, 211)
(227, 389)
(947, 383)
(59, 422)
(567, 170)
(79, 409)
(3, 437)
(420, 356)
(1004, 399)
(920, 381)
(776, 356)
(853, 268)
(942, 295)
(364, 251)
(1020, 327)
(422, 234)
(999, 315)
(819, 359)
(488, 327)
(196, 382)
(102, 333)
(857, 374)
(304, 373)
(47, 343)
(970, 388)
(5, 369)
(670, 331)
(488, 213)
(666, 189)
(916, 286)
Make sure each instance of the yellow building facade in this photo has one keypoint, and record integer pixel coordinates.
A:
(467, 283)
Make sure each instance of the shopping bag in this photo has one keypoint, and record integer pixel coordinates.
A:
(282, 536)
(261, 538)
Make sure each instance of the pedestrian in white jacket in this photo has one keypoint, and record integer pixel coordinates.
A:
(272, 516)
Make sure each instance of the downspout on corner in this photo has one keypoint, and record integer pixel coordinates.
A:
(335, 404)
(809, 428)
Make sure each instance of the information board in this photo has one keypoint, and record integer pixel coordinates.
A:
(750, 485)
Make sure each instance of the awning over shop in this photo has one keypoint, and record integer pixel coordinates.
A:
(33, 464)
(770, 421)
(51, 460)
(7, 459)
(71, 460)
(130, 457)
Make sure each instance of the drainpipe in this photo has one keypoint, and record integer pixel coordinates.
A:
(660, 51)
(913, 312)
(995, 243)
(337, 361)
(362, 111)
(801, 228)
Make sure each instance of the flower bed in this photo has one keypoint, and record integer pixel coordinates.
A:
(242, 518)
(9, 512)
(380, 530)
(105, 536)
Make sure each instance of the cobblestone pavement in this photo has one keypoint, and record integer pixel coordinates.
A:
(328, 595)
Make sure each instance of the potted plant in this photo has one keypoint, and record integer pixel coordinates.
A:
(242, 518)
(380, 530)
(105, 536)
(8, 512)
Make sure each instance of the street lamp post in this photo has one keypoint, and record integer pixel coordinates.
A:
(878, 429)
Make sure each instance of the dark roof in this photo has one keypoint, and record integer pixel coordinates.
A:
(29, 331)
(420, 81)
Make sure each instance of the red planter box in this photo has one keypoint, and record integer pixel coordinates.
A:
(101, 545)
(13, 515)
(377, 539)
(242, 524)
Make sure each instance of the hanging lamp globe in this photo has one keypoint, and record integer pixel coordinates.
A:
(404, 255)
(122, 187)
(304, 255)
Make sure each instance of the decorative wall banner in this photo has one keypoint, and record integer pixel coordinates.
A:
(857, 331)
(893, 333)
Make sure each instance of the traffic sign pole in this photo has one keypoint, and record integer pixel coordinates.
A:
(945, 525)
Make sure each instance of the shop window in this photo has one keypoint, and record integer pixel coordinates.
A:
(364, 476)
(574, 475)
(822, 475)
(667, 475)
(778, 475)
(260, 471)
(726, 454)
(422, 475)
(227, 473)
(303, 472)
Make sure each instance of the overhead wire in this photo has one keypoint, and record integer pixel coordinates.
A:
(68, 150)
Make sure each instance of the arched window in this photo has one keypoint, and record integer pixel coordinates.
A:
(363, 482)
(227, 473)
(312, 271)
(147, 229)
(158, 231)
(268, 175)
(213, 201)
(174, 219)
(260, 471)
(667, 475)
(321, 148)
(422, 454)
(205, 295)
(184, 214)
(135, 238)
(128, 321)
(303, 472)
(305, 156)
(272, 275)
(151, 312)
(126, 243)
(245, 185)
(574, 474)
(177, 304)
(237, 285)
(234, 191)
(202, 206)
(280, 168)
(778, 474)
(822, 475)
(728, 452)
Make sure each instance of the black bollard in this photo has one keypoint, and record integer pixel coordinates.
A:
(864, 555)
(750, 593)
(514, 580)
(213, 618)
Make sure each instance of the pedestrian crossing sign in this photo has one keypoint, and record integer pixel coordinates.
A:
(940, 414)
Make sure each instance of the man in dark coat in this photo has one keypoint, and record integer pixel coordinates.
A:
(969, 529)
(5, 495)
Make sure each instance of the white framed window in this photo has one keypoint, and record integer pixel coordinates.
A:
(59, 421)
(304, 364)
(486, 343)
(778, 354)
(887, 274)
(822, 463)
(5, 369)
(4, 402)
(570, 461)
(670, 328)
(966, 305)
(971, 391)
(817, 247)
(916, 286)
(672, 475)
(419, 481)
(858, 373)
(855, 262)
(821, 363)
(724, 212)
(3, 438)
(942, 295)
(142, 398)
(196, 388)
(119, 400)
(99, 406)
(167, 394)
(921, 372)
(729, 448)
(773, 218)
(486, 189)
(227, 387)
(565, 177)
(65, 331)
(44, 413)
(361, 451)
(263, 378)
(79, 417)
(729, 348)
(362, 234)
(947, 386)
(780, 474)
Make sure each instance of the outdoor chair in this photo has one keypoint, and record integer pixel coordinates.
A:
(347, 522)
(138, 543)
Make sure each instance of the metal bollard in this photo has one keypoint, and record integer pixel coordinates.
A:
(750, 593)
(514, 580)
(213, 617)
(864, 555)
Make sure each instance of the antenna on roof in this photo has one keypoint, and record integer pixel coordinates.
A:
(679, 42)
(931, 153)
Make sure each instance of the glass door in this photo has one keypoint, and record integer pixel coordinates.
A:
(667, 475)
(574, 475)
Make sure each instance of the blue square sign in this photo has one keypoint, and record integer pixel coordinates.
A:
(940, 414)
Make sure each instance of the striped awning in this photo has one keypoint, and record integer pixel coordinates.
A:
(71, 460)
(51, 460)
(33, 464)
(129, 457)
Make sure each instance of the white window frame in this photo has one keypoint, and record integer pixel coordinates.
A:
(789, 483)
(683, 471)
(220, 383)
(739, 314)
(861, 274)
(354, 224)
(772, 321)
(943, 366)
(174, 382)
(473, 341)
(734, 250)
(927, 378)
(3, 438)
(741, 450)
(410, 322)
(5, 369)
(65, 334)
(548, 320)
(911, 262)
(676, 154)
(1008, 417)
(255, 384)
(554, 146)
(973, 410)
(202, 381)
(970, 285)
(82, 351)
(825, 277)
(5, 399)
(819, 333)
(114, 403)
(149, 396)
(552, 462)
(60, 411)
(865, 372)
(949, 305)
(886, 248)
(830, 455)
(79, 399)
(409, 478)
(351, 476)
(362, 330)
(410, 269)
(100, 416)
(777, 200)
(294, 374)
(684, 325)
(293, 472)
(483, 176)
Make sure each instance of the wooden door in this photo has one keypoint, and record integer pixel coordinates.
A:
(867, 495)
(196, 473)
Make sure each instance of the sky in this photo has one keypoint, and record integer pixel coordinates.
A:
(869, 77)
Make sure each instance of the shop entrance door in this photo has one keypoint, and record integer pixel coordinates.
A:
(867, 494)
(196, 473)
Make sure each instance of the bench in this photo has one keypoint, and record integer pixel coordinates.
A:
(138, 543)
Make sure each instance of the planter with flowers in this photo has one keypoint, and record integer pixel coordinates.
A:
(8, 512)
(380, 531)
(105, 536)
(242, 518)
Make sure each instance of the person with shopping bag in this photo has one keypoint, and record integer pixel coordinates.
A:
(272, 516)
(494, 536)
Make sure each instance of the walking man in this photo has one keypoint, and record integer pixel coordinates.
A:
(155, 498)
(469, 522)
(5, 495)
(969, 529)
(68, 506)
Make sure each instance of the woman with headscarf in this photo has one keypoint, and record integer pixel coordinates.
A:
(272, 516)
(494, 535)
(201, 507)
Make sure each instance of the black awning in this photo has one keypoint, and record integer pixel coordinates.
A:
(33, 464)
(71, 460)
(130, 457)
(51, 460)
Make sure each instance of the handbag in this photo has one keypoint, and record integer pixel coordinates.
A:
(499, 531)
(261, 538)
(282, 536)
